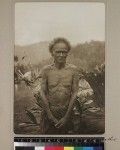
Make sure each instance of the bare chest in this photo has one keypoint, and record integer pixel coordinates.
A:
(60, 78)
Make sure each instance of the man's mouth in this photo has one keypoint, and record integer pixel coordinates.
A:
(61, 59)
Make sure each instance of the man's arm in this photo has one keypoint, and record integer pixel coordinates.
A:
(43, 92)
(73, 94)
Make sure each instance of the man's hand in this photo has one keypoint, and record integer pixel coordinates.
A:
(61, 122)
(53, 119)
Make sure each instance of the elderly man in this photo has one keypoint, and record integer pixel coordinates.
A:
(59, 88)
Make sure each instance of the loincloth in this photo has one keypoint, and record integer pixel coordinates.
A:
(58, 111)
(47, 127)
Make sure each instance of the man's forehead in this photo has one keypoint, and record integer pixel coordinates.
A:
(60, 45)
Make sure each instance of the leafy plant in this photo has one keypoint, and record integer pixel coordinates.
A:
(31, 116)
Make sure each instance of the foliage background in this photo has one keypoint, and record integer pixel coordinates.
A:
(86, 56)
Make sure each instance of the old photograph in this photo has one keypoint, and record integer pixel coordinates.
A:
(59, 68)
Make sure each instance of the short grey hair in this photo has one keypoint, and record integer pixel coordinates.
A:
(58, 40)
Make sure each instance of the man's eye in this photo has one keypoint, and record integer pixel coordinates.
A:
(61, 50)
(62, 53)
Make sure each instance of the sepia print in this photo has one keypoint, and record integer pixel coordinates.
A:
(59, 68)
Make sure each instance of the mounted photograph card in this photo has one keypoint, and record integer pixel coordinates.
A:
(59, 68)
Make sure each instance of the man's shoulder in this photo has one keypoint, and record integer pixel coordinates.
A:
(72, 67)
(47, 68)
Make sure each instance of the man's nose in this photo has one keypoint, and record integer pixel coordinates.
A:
(61, 54)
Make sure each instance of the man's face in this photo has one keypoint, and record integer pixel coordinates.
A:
(60, 52)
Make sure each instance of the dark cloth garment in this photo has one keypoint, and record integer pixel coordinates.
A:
(58, 111)
(47, 127)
